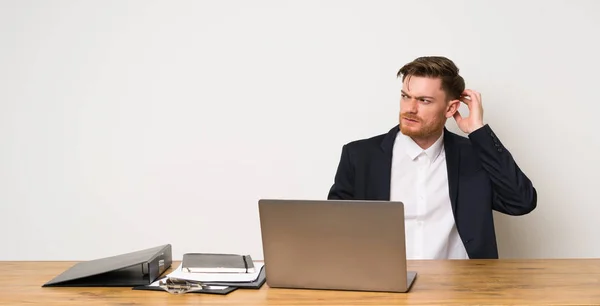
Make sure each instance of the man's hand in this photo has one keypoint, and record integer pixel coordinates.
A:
(475, 119)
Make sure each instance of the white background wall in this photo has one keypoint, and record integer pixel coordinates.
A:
(129, 124)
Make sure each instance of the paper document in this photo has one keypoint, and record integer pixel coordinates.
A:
(217, 277)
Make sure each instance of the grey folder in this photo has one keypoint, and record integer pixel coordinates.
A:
(131, 269)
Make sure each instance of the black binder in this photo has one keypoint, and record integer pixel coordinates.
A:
(126, 270)
(231, 286)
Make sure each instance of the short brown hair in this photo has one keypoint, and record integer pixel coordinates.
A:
(436, 67)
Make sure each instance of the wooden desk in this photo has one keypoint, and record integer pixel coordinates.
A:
(498, 282)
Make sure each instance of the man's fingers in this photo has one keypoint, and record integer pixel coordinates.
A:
(470, 95)
(465, 99)
(474, 94)
(468, 92)
(457, 116)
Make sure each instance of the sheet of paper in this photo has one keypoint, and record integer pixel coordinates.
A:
(217, 277)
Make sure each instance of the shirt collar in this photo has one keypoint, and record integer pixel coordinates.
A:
(413, 150)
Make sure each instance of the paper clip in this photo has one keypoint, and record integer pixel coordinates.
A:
(179, 286)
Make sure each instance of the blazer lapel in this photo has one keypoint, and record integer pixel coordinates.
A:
(452, 165)
(382, 167)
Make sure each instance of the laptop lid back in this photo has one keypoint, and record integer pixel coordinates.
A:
(342, 245)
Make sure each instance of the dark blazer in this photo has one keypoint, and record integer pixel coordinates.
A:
(482, 176)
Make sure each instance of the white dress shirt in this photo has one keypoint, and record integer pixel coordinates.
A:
(420, 180)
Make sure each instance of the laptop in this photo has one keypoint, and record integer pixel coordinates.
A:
(334, 244)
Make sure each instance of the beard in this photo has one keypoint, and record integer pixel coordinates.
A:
(421, 129)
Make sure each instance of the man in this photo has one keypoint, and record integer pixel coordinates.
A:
(449, 184)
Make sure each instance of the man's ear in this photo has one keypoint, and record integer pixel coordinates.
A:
(452, 108)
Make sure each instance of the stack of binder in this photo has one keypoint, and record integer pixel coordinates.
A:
(143, 270)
